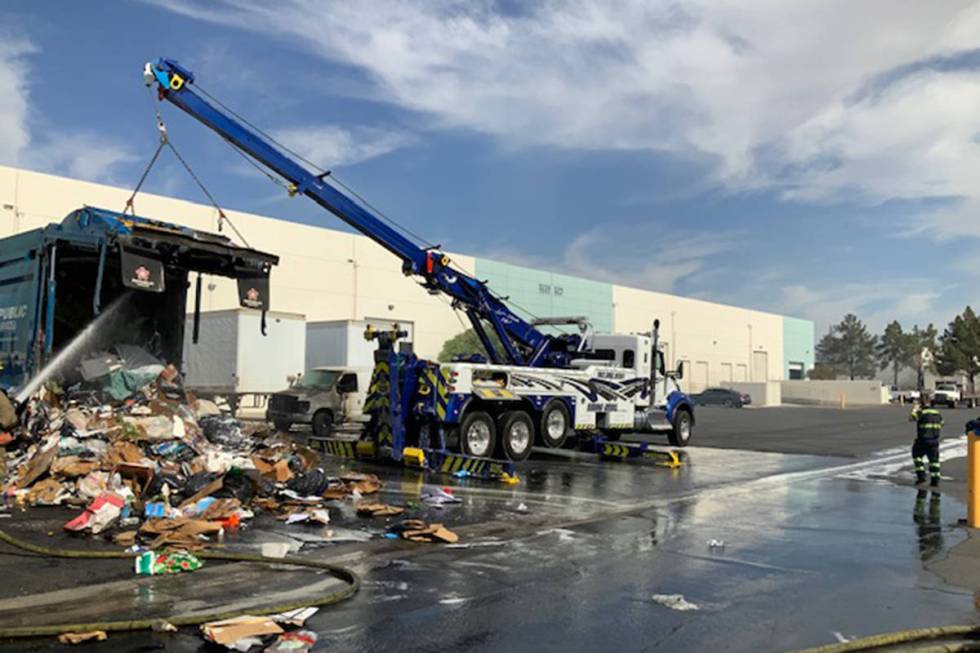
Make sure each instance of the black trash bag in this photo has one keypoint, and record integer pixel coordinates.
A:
(222, 430)
(312, 483)
(197, 482)
(155, 487)
(236, 486)
(263, 487)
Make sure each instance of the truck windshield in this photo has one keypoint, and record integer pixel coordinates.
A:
(318, 379)
(945, 386)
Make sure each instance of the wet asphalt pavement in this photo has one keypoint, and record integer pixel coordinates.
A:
(820, 535)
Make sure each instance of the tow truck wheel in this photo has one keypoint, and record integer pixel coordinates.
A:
(322, 423)
(680, 435)
(477, 434)
(516, 434)
(553, 427)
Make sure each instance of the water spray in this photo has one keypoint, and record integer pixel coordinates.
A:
(74, 347)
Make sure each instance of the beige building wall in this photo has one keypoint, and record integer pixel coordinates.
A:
(717, 343)
(323, 273)
(327, 274)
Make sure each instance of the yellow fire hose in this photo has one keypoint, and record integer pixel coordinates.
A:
(929, 638)
(342, 573)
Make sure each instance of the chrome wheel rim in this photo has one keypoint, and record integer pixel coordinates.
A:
(556, 424)
(520, 437)
(478, 438)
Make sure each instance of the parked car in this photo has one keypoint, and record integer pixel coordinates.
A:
(324, 397)
(947, 394)
(898, 395)
(722, 397)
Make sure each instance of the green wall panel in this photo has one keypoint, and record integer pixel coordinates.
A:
(549, 294)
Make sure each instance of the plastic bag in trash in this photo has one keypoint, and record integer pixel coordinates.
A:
(312, 483)
(222, 430)
(197, 482)
(236, 486)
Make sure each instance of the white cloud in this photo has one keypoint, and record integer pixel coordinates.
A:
(77, 154)
(82, 156)
(760, 88)
(628, 254)
(330, 145)
(876, 303)
(14, 135)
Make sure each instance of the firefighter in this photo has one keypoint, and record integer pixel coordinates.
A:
(929, 425)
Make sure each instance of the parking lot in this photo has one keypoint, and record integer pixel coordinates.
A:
(806, 507)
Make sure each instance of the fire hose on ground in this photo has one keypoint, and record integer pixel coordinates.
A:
(940, 639)
(352, 580)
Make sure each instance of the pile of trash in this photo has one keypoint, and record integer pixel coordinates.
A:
(154, 468)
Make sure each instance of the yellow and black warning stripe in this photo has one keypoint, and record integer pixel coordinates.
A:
(340, 448)
(453, 463)
(437, 381)
(611, 450)
(494, 393)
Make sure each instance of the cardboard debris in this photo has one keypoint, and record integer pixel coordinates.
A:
(121, 452)
(78, 638)
(417, 530)
(38, 465)
(148, 466)
(277, 471)
(137, 475)
(366, 509)
(73, 466)
(232, 630)
(48, 492)
(221, 509)
(125, 538)
(363, 483)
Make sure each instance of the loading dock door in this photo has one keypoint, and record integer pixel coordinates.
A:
(726, 372)
(760, 366)
(795, 371)
(700, 378)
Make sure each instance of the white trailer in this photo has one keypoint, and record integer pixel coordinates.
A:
(341, 343)
(232, 359)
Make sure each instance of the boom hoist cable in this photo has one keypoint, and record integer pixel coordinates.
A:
(165, 142)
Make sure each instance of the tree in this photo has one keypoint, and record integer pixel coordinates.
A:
(923, 352)
(821, 372)
(895, 349)
(848, 348)
(466, 344)
(959, 349)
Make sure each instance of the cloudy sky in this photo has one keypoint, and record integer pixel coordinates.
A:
(810, 157)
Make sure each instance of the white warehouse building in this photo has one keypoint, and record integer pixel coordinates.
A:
(327, 274)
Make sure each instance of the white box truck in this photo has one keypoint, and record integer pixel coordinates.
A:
(341, 343)
(233, 359)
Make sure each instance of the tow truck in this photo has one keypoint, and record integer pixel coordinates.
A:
(477, 416)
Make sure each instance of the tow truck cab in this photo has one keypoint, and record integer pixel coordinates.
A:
(632, 352)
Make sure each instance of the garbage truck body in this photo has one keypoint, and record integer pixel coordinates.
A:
(57, 279)
(533, 385)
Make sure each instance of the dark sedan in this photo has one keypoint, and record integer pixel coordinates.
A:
(722, 397)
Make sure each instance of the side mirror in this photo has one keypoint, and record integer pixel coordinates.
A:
(680, 370)
(347, 384)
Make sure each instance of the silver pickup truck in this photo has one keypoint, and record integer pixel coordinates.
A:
(324, 398)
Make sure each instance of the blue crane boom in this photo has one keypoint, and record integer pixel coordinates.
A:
(522, 343)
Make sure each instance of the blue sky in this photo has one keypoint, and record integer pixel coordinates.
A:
(809, 158)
